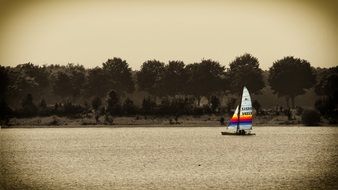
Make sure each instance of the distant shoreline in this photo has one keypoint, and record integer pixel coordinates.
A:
(144, 126)
(148, 122)
(139, 126)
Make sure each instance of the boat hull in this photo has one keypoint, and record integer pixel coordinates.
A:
(232, 133)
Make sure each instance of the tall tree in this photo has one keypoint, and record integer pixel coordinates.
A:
(38, 73)
(328, 83)
(27, 79)
(113, 105)
(290, 77)
(119, 73)
(77, 76)
(174, 78)
(204, 79)
(245, 71)
(97, 83)
(327, 88)
(62, 85)
(69, 82)
(150, 76)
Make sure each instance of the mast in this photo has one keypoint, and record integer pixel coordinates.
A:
(239, 111)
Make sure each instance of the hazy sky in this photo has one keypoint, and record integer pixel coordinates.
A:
(90, 32)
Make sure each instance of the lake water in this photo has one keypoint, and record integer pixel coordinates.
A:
(169, 158)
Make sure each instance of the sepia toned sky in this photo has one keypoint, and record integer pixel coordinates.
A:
(90, 32)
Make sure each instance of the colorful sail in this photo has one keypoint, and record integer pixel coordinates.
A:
(245, 116)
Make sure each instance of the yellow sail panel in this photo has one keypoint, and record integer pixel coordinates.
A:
(234, 119)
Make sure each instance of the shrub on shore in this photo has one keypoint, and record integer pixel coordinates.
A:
(310, 117)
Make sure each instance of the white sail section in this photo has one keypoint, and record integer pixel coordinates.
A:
(246, 111)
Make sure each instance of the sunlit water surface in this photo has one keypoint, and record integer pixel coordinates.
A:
(169, 158)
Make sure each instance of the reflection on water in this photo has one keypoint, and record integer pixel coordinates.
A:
(169, 158)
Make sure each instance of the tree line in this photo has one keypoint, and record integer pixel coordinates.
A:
(174, 88)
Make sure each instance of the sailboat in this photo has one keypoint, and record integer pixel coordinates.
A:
(241, 122)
